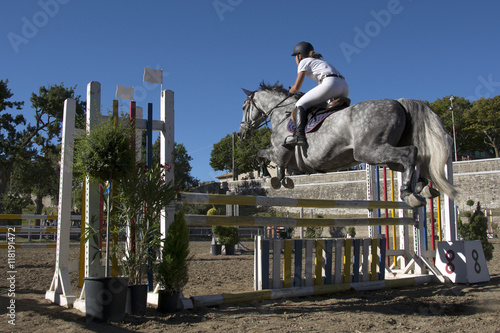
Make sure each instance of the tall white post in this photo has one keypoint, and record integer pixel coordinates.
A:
(93, 266)
(371, 187)
(450, 210)
(60, 291)
(167, 151)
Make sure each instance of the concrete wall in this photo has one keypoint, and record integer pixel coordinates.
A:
(478, 180)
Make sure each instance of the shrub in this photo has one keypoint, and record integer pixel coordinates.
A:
(477, 229)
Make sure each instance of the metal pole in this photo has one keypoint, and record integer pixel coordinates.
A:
(235, 177)
(453, 121)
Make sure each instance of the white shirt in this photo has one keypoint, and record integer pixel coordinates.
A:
(316, 69)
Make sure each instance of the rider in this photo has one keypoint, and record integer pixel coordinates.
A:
(331, 85)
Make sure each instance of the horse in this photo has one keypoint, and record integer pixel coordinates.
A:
(402, 134)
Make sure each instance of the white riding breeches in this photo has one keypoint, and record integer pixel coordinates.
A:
(330, 88)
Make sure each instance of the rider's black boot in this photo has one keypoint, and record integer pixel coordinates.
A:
(299, 137)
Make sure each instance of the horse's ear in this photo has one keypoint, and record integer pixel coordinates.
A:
(247, 92)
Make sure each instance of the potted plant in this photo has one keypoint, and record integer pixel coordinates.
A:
(141, 196)
(229, 237)
(104, 155)
(172, 273)
(215, 247)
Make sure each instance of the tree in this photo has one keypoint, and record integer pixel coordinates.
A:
(222, 154)
(182, 166)
(483, 121)
(34, 151)
(9, 136)
(245, 155)
(460, 105)
(477, 229)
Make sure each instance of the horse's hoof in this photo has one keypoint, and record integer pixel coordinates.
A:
(275, 183)
(429, 192)
(414, 200)
(288, 183)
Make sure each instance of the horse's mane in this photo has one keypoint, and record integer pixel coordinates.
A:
(276, 87)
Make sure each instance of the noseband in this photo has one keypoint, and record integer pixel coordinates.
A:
(263, 115)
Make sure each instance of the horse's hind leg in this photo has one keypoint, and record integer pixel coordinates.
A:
(399, 159)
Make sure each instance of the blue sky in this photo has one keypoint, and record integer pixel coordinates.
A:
(210, 49)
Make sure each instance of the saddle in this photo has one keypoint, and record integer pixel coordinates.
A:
(318, 113)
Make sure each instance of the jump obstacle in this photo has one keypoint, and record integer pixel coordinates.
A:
(60, 291)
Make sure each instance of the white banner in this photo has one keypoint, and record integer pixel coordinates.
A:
(153, 75)
(124, 92)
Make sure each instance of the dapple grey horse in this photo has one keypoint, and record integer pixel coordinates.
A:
(402, 134)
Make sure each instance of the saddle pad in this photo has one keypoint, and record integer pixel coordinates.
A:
(312, 124)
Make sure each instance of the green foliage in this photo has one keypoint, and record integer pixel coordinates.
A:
(313, 232)
(351, 231)
(173, 269)
(213, 211)
(483, 121)
(228, 235)
(182, 166)
(104, 153)
(477, 229)
(13, 204)
(245, 152)
(31, 150)
(141, 196)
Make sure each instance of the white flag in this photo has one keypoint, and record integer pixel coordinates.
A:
(124, 92)
(153, 75)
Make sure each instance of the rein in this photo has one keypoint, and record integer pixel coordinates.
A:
(262, 112)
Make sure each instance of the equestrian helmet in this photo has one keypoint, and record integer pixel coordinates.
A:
(302, 48)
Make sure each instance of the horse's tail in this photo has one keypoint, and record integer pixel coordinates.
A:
(433, 143)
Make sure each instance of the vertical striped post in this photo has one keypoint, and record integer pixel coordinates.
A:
(356, 260)
(287, 264)
(277, 247)
(383, 248)
(374, 259)
(297, 271)
(265, 264)
(339, 244)
(318, 276)
(328, 254)
(347, 260)
(309, 262)
(365, 267)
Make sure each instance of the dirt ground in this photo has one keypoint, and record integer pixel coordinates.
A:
(428, 308)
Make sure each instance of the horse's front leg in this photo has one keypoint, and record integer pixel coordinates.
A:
(261, 159)
(408, 194)
(276, 156)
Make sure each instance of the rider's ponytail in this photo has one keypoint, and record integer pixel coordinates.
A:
(315, 55)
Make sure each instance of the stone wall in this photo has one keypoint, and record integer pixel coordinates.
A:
(478, 180)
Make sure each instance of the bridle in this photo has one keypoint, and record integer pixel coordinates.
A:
(263, 115)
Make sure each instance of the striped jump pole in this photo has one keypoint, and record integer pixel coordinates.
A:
(293, 263)
(250, 200)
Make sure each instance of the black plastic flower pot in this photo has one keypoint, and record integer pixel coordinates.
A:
(229, 249)
(105, 298)
(216, 249)
(168, 302)
(137, 299)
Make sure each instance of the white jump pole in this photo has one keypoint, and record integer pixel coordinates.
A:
(60, 291)
(167, 152)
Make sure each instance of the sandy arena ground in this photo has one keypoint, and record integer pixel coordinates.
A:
(429, 308)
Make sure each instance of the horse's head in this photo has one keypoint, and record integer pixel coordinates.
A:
(253, 116)
(260, 105)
